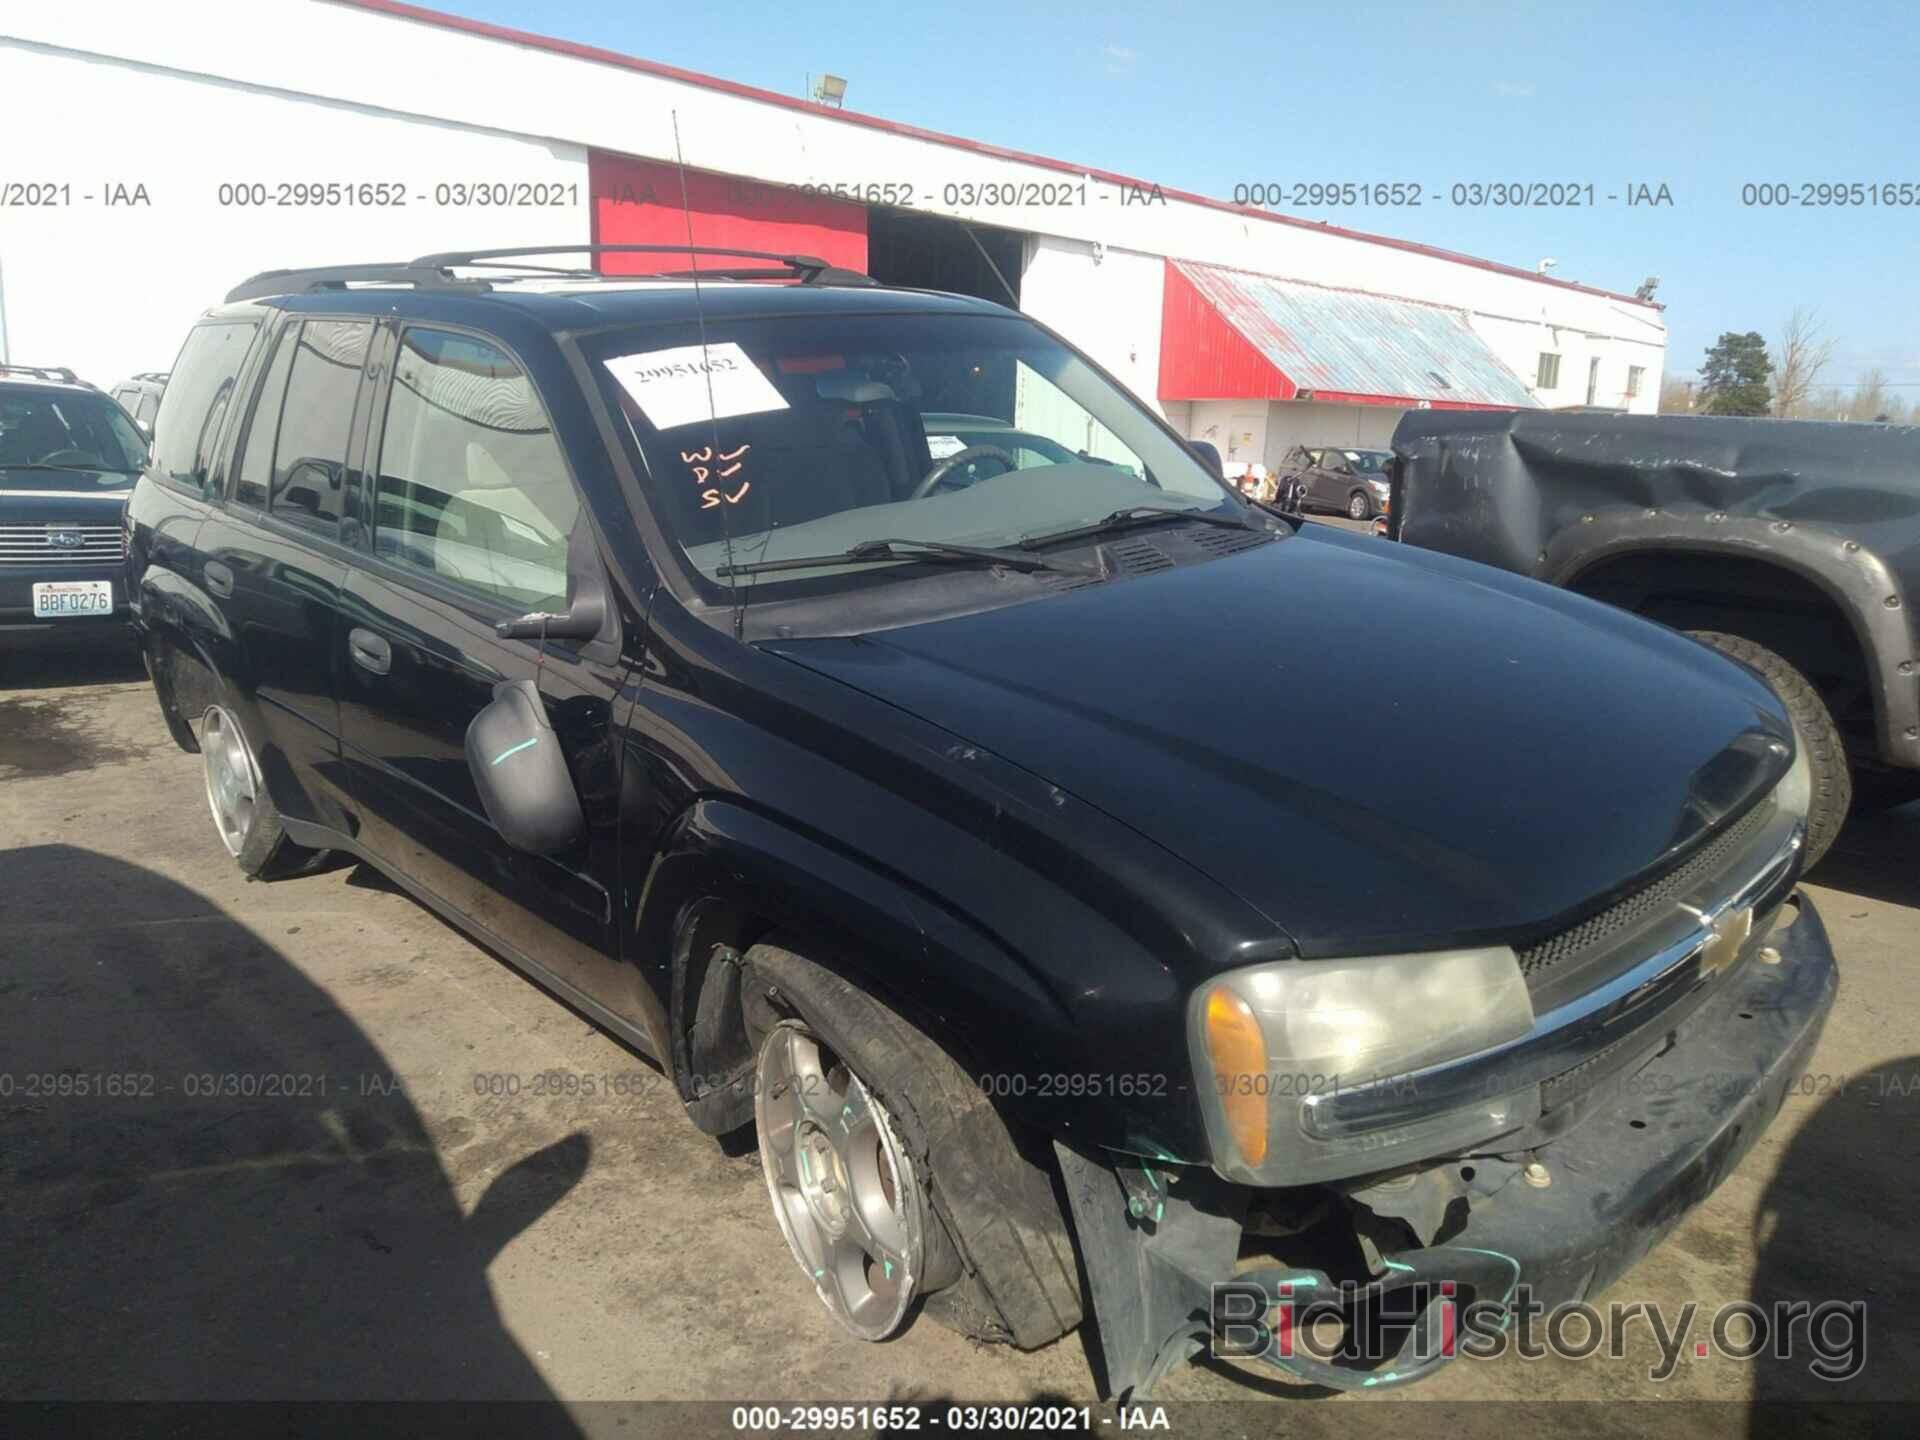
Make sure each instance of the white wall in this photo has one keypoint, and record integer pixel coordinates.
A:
(1107, 303)
(112, 290)
(1520, 344)
(375, 65)
(1315, 423)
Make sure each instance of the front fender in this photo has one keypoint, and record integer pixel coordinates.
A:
(994, 1010)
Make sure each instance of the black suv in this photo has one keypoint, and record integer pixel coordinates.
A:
(923, 809)
(68, 457)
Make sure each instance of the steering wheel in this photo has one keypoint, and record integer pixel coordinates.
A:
(942, 468)
(69, 457)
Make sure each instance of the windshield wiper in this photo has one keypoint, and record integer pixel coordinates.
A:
(1132, 515)
(72, 469)
(869, 552)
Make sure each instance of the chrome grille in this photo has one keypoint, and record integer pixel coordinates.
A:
(1643, 906)
(61, 545)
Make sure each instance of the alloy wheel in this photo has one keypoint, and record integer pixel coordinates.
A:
(233, 781)
(844, 1191)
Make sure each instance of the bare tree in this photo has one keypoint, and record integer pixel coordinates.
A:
(1870, 396)
(1676, 397)
(1829, 403)
(1802, 354)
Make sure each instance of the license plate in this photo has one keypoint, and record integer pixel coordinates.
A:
(64, 599)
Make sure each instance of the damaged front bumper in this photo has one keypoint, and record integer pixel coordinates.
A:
(1564, 1219)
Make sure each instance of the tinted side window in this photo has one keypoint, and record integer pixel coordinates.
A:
(188, 425)
(255, 471)
(310, 455)
(149, 407)
(472, 485)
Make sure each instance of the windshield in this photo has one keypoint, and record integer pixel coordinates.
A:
(66, 440)
(836, 430)
(1370, 462)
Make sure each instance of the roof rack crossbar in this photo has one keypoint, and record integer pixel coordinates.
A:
(435, 272)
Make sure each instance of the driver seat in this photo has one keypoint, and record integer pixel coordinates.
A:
(888, 425)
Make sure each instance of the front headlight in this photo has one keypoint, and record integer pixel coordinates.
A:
(1794, 794)
(1381, 488)
(1269, 1041)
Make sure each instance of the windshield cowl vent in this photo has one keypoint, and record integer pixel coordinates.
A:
(1228, 542)
(1135, 557)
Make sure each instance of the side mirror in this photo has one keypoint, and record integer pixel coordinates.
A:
(521, 775)
(580, 621)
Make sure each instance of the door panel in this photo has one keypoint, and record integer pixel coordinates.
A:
(472, 516)
(415, 668)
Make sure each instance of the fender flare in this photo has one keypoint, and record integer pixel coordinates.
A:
(1859, 583)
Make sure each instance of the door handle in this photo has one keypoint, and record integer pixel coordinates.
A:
(219, 579)
(370, 651)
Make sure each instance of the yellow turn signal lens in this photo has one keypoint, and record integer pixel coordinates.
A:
(1239, 1055)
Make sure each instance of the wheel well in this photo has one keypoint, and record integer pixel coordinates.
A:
(1760, 601)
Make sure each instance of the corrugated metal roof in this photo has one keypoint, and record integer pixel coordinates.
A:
(1351, 343)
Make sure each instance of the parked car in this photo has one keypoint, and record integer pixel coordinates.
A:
(68, 458)
(1350, 482)
(631, 626)
(1789, 545)
(139, 395)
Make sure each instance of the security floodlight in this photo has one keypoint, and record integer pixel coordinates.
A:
(831, 90)
(1546, 265)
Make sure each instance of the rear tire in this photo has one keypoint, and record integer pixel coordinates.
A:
(999, 1259)
(1813, 730)
(244, 815)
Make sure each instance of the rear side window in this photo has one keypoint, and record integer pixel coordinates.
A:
(310, 452)
(188, 425)
(254, 473)
(149, 407)
(473, 488)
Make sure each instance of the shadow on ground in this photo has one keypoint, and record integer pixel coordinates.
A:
(1835, 1229)
(215, 1189)
(97, 665)
(1876, 856)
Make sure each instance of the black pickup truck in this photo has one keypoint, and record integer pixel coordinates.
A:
(1790, 545)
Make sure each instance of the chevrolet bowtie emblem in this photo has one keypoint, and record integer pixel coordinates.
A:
(1730, 935)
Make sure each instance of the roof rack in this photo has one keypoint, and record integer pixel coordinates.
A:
(159, 376)
(59, 374)
(436, 272)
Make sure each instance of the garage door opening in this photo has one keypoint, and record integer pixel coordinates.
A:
(931, 252)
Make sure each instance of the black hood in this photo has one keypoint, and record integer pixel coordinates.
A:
(1377, 747)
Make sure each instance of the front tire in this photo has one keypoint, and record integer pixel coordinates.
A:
(244, 815)
(1359, 507)
(995, 1257)
(1813, 730)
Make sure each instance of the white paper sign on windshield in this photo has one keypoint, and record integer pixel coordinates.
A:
(672, 387)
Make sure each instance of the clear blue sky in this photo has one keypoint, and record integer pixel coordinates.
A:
(1208, 95)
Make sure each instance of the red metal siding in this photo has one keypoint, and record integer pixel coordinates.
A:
(1202, 357)
(638, 202)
